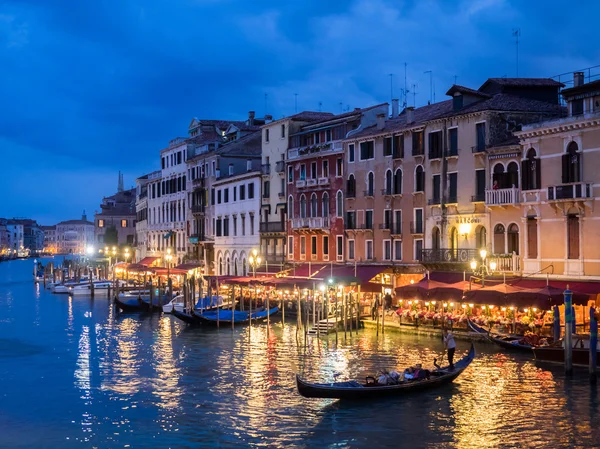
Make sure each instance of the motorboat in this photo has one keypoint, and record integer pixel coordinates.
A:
(206, 303)
(85, 288)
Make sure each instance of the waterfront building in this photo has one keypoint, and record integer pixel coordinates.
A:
(315, 185)
(115, 224)
(216, 154)
(27, 235)
(74, 236)
(553, 207)
(50, 242)
(273, 214)
(16, 236)
(142, 248)
(4, 240)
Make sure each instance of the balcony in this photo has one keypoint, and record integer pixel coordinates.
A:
(368, 193)
(449, 255)
(280, 166)
(360, 227)
(433, 201)
(300, 184)
(311, 182)
(502, 197)
(323, 181)
(565, 192)
(198, 209)
(198, 182)
(281, 194)
(272, 226)
(386, 192)
(416, 227)
(479, 148)
(311, 223)
(265, 169)
(350, 193)
(478, 198)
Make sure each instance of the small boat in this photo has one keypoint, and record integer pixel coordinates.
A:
(205, 303)
(131, 303)
(509, 342)
(100, 288)
(556, 353)
(368, 390)
(65, 287)
(188, 318)
(238, 317)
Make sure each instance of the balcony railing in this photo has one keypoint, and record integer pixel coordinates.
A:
(448, 255)
(311, 182)
(368, 193)
(265, 169)
(281, 194)
(350, 193)
(416, 227)
(198, 182)
(280, 166)
(570, 191)
(198, 209)
(272, 226)
(479, 148)
(386, 192)
(310, 222)
(300, 183)
(502, 197)
(433, 201)
(323, 181)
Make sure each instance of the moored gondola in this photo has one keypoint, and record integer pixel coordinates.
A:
(188, 318)
(357, 390)
(509, 342)
(238, 317)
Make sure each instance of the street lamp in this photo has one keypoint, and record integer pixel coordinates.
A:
(168, 259)
(483, 271)
(254, 261)
(126, 260)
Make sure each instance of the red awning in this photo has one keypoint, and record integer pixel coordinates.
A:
(162, 271)
(190, 266)
(147, 261)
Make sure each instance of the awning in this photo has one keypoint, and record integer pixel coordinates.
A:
(147, 261)
(278, 205)
(266, 206)
(190, 266)
(162, 271)
(341, 274)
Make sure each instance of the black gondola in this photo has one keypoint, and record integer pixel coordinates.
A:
(357, 390)
(186, 317)
(227, 316)
(136, 305)
(509, 342)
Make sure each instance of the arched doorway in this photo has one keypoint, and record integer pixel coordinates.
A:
(388, 182)
(435, 238)
(453, 240)
(480, 237)
(499, 246)
(513, 239)
(512, 175)
(498, 177)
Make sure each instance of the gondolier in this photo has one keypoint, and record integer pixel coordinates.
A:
(450, 345)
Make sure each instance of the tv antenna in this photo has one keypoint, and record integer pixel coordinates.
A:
(414, 92)
(516, 32)
(320, 105)
(295, 103)
(391, 75)
(431, 100)
(266, 96)
(405, 88)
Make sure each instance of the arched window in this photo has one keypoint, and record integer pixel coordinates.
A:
(419, 179)
(513, 239)
(370, 184)
(571, 164)
(480, 237)
(313, 205)
(435, 238)
(244, 267)
(512, 175)
(290, 207)
(325, 204)
(351, 186)
(498, 177)
(235, 267)
(302, 206)
(398, 182)
(220, 266)
(228, 267)
(339, 204)
(499, 238)
(531, 171)
(388, 182)
(453, 241)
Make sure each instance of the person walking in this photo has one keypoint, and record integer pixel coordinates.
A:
(450, 345)
(375, 308)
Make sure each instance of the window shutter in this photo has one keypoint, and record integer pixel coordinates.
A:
(577, 169)
(526, 175)
(538, 174)
(565, 168)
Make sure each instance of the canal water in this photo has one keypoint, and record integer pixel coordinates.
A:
(74, 373)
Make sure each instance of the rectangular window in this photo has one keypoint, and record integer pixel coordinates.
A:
(369, 219)
(302, 172)
(418, 249)
(453, 189)
(369, 249)
(282, 131)
(266, 189)
(123, 223)
(234, 193)
(435, 195)
(313, 170)
(219, 227)
(325, 245)
(418, 144)
(351, 154)
(398, 151)
(328, 135)
(397, 226)
(250, 190)
(251, 217)
(453, 141)
(219, 196)
(387, 219)
(325, 169)
(340, 247)
(235, 225)
(573, 237)
(532, 249)
(351, 220)
(226, 227)
(313, 245)
(351, 249)
(387, 146)
(267, 135)
(291, 246)
(302, 245)
(339, 167)
(242, 192)
(479, 185)
(100, 223)
(243, 224)
(179, 157)
(226, 195)
(317, 137)
(387, 250)
(397, 249)
(577, 107)
(435, 145)
(418, 229)
(214, 168)
(367, 150)
(290, 173)
(163, 163)
(480, 132)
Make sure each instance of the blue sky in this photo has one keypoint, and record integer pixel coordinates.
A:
(91, 88)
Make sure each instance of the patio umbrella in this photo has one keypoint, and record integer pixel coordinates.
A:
(555, 295)
(453, 291)
(501, 295)
(419, 290)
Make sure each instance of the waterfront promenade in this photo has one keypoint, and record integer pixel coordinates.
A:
(77, 374)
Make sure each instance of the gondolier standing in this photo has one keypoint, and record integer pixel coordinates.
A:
(450, 345)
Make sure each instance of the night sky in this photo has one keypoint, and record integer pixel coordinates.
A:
(89, 88)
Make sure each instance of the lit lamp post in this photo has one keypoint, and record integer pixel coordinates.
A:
(254, 261)
(483, 270)
(168, 259)
(126, 260)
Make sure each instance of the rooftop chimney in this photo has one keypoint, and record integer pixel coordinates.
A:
(84, 216)
(251, 115)
(410, 114)
(380, 121)
(268, 118)
(395, 107)
(249, 165)
(577, 79)
(230, 169)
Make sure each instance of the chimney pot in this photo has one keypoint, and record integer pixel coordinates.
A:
(577, 79)
(251, 115)
(395, 107)
(410, 114)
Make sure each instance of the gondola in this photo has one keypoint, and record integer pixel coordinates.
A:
(355, 390)
(509, 342)
(238, 317)
(188, 318)
(556, 353)
(133, 304)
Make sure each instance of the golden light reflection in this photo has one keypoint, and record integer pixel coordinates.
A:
(165, 384)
